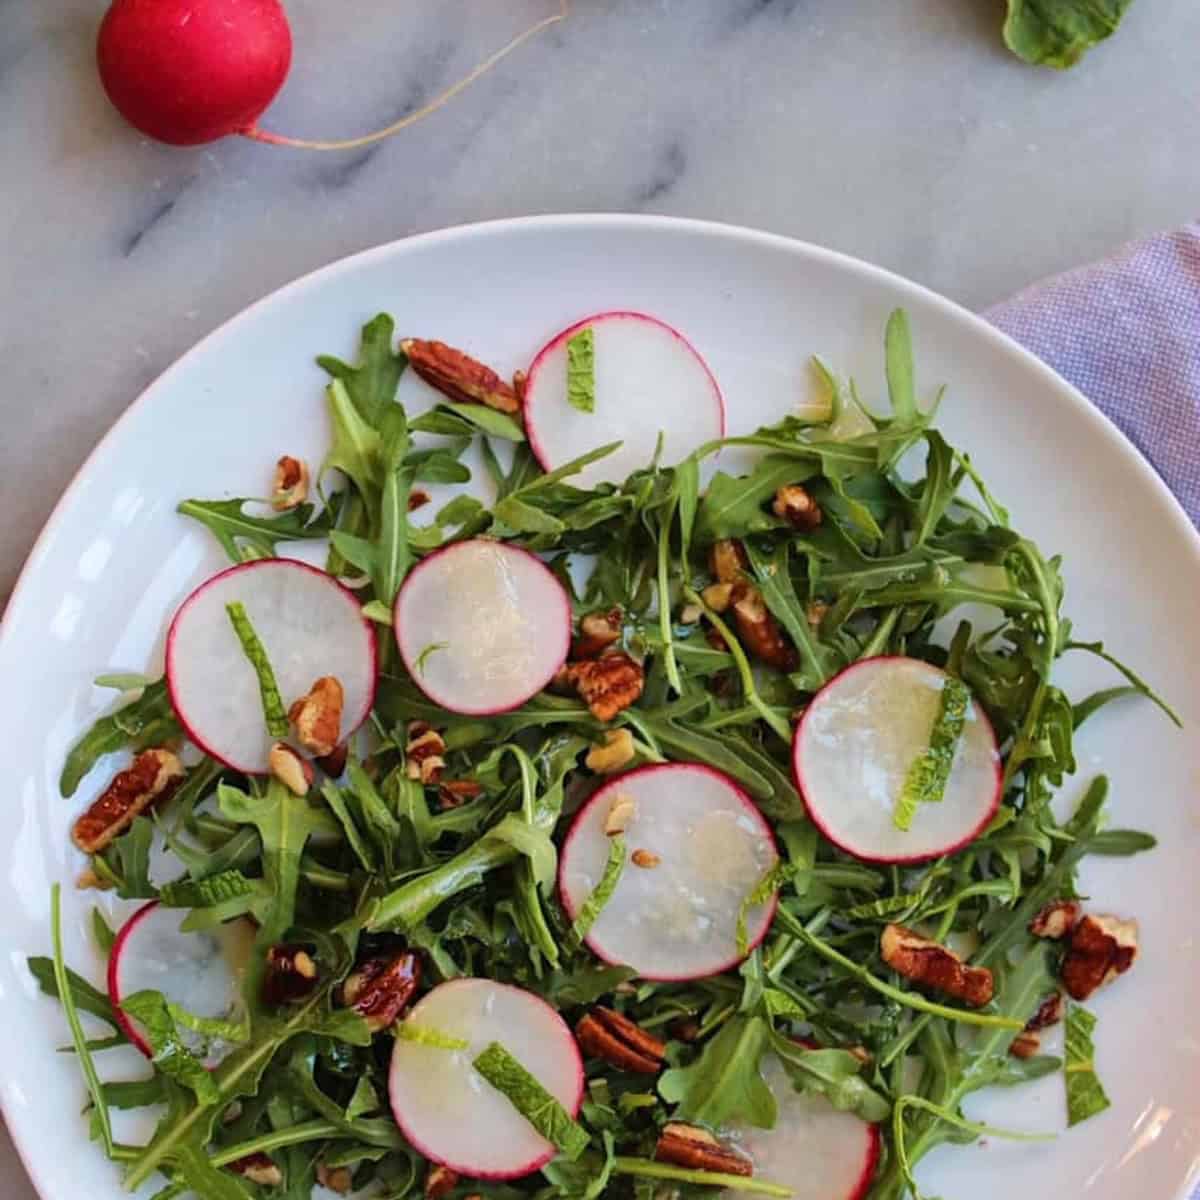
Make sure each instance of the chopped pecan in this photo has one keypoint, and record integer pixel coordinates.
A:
(690, 614)
(727, 560)
(718, 596)
(317, 716)
(598, 631)
(621, 813)
(381, 987)
(684, 1029)
(418, 498)
(290, 975)
(607, 685)
(794, 505)
(334, 763)
(259, 1168)
(814, 613)
(759, 630)
(152, 776)
(1056, 919)
(440, 1181)
(453, 793)
(459, 376)
(616, 752)
(423, 753)
(1100, 949)
(336, 1179)
(690, 1146)
(520, 379)
(1050, 1012)
(932, 965)
(646, 859)
(1026, 1044)
(88, 879)
(290, 486)
(290, 769)
(603, 1033)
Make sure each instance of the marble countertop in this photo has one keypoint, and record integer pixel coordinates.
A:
(901, 132)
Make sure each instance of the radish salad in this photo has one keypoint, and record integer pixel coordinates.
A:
(651, 830)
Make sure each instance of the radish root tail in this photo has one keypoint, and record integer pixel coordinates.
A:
(369, 139)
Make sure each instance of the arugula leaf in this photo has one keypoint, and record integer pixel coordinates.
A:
(645, 1168)
(371, 385)
(835, 1074)
(480, 418)
(581, 370)
(531, 1100)
(144, 721)
(84, 996)
(1057, 33)
(208, 892)
(425, 1035)
(170, 1055)
(724, 1084)
(1085, 1093)
(245, 537)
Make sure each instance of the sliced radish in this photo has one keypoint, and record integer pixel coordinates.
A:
(676, 919)
(649, 380)
(198, 971)
(448, 1111)
(853, 750)
(817, 1151)
(482, 626)
(309, 625)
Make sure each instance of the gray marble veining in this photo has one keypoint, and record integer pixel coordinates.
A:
(897, 130)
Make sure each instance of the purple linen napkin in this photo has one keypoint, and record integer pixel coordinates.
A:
(1126, 333)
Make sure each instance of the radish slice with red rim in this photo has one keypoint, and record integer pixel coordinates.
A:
(676, 919)
(448, 1111)
(197, 971)
(648, 380)
(482, 626)
(309, 625)
(817, 1151)
(855, 745)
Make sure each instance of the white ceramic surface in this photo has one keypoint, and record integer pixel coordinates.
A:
(115, 559)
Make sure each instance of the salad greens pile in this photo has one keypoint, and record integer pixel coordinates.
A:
(373, 861)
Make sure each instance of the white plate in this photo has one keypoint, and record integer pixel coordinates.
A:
(115, 559)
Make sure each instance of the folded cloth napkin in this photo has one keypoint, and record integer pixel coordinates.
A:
(1126, 333)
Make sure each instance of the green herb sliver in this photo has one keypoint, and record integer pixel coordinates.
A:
(426, 1035)
(1085, 1093)
(581, 370)
(532, 1100)
(926, 780)
(272, 702)
(603, 891)
(645, 1168)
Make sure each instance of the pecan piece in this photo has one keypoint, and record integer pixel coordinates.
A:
(608, 685)
(759, 630)
(1056, 919)
(381, 987)
(458, 376)
(418, 498)
(151, 777)
(646, 859)
(690, 1146)
(291, 974)
(454, 793)
(621, 813)
(259, 1168)
(598, 631)
(317, 716)
(1049, 1012)
(718, 597)
(423, 753)
(794, 505)
(336, 1179)
(932, 965)
(1100, 949)
(727, 560)
(620, 1042)
(290, 769)
(334, 763)
(616, 752)
(1026, 1044)
(440, 1181)
(290, 486)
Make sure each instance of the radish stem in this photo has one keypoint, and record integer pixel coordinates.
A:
(258, 134)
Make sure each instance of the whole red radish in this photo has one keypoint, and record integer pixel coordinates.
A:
(191, 71)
